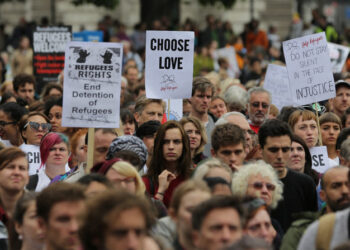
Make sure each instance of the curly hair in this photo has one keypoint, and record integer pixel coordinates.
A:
(241, 177)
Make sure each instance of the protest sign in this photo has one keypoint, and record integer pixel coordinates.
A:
(33, 156)
(277, 83)
(229, 54)
(320, 161)
(169, 64)
(92, 77)
(309, 69)
(49, 44)
(338, 54)
(175, 109)
(88, 36)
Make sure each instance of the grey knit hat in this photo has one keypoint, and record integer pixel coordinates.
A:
(130, 143)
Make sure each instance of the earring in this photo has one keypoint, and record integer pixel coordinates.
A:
(20, 237)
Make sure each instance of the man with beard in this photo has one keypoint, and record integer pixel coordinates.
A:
(258, 107)
(334, 192)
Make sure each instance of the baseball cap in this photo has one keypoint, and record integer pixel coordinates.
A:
(342, 83)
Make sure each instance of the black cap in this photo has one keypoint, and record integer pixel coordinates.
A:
(342, 83)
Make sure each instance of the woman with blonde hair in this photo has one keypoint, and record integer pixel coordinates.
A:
(304, 124)
(197, 135)
(123, 175)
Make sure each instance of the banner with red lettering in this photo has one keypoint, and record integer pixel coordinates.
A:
(49, 44)
(169, 64)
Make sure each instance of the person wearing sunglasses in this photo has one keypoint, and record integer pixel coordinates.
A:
(33, 127)
(258, 180)
(10, 114)
(258, 108)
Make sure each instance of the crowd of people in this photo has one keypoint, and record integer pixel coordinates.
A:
(234, 173)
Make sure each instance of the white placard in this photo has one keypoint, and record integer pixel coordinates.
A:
(33, 156)
(338, 54)
(230, 54)
(91, 91)
(169, 64)
(309, 69)
(319, 156)
(175, 109)
(277, 83)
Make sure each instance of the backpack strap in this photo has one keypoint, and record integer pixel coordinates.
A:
(325, 231)
(33, 182)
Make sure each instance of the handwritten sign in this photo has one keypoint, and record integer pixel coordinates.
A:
(175, 109)
(169, 64)
(309, 69)
(33, 156)
(230, 54)
(49, 44)
(277, 83)
(338, 54)
(92, 77)
(320, 161)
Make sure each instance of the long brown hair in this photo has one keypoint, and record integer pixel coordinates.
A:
(158, 163)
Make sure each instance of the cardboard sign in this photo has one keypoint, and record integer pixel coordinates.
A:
(33, 156)
(169, 64)
(338, 55)
(49, 45)
(277, 83)
(319, 156)
(88, 36)
(230, 54)
(309, 69)
(92, 77)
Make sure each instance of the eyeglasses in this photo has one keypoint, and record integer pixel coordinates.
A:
(3, 123)
(259, 185)
(35, 126)
(257, 105)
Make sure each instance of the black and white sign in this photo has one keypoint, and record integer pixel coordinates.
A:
(169, 64)
(320, 162)
(309, 69)
(338, 54)
(92, 76)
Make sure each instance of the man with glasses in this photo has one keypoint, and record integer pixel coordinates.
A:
(299, 190)
(258, 107)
